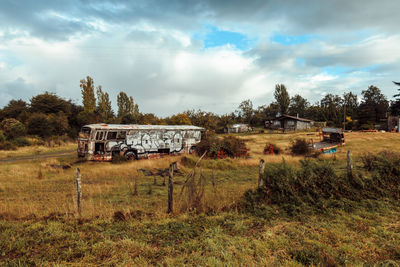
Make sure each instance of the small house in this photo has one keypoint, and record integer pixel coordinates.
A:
(291, 123)
(238, 128)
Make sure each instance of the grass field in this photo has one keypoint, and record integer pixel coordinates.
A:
(39, 224)
(37, 150)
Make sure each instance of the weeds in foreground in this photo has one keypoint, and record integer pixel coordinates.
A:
(317, 186)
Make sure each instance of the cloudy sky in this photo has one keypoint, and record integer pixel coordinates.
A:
(177, 55)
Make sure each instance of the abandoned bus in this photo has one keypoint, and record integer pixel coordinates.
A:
(101, 142)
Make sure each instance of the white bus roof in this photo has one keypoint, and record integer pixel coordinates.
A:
(104, 126)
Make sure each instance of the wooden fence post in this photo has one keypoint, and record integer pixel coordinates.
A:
(78, 191)
(261, 173)
(171, 187)
(349, 163)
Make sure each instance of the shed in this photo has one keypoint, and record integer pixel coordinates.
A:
(291, 123)
(238, 128)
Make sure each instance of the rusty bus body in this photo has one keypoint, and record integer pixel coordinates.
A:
(100, 142)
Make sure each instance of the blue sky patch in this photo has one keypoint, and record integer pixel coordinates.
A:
(337, 70)
(213, 37)
(291, 40)
(10, 58)
(300, 62)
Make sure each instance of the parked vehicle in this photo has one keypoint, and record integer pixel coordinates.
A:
(102, 142)
(331, 138)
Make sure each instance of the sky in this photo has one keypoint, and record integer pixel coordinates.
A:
(174, 55)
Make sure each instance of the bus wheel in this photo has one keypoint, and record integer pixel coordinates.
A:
(130, 155)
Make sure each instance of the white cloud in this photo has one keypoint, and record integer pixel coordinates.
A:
(147, 49)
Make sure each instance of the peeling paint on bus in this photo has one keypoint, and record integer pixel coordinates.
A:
(100, 142)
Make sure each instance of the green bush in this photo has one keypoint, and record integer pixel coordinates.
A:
(56, 140)
(228, 146)
(277, 150)
(38, 124)
(316, 186)
(300, 147)
(2, 137)
(12, 128)
(21, 142)
(7, 146)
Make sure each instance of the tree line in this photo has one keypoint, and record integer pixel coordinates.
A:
(48, 114)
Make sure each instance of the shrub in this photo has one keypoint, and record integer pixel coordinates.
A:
(372, 161)
(300, 147)
(38, 124)
(228, 146)
(57, 140)
(2, 137)
(21, 142)
(277, 150)
(316, 186)
(12, 128)
(7, 146)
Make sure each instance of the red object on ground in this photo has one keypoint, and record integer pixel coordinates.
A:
(271, 150)
(221, 154)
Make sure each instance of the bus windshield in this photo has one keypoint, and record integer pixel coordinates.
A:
(85, 132)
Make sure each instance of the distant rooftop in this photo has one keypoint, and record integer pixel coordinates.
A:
(292, 117)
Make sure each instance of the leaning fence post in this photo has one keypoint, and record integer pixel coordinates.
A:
(349, 163)
(171, 187)
(78, 191)
(261, 173)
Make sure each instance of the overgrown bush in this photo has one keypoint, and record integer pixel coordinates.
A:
(300, 147)
(228, 146)
(56, 140)
(277, 150)
(371, 161)
(2, 137)
(7, 146)
(316, 186)
(21, 142)
(12, 128)
(38, 124)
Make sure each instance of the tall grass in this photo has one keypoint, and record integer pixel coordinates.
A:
(317, 186)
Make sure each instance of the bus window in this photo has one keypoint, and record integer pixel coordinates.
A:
(99, 136)
(112, 135)
(121, 135)
(85, 132)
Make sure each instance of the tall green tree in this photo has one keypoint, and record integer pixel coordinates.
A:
(88, 97)
(204, 119)
(350, 104)
(282, 98)
(316, 113)
(128, 111)
(373, 107)
(104, 105)
(298, 106)
(245, 111)
(332, 106)
(49, 103)
(13, 109)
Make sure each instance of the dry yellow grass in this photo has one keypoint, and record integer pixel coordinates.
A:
(36, 149)
(358, 142)
(33, 187)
